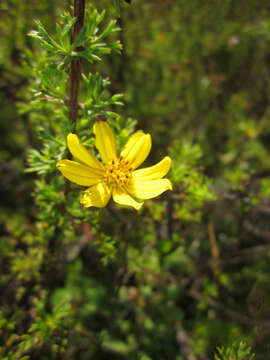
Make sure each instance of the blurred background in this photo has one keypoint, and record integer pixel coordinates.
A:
(195, 74)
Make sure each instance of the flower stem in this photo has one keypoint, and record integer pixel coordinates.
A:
(75, 68)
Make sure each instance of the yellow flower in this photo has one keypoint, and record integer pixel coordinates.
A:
(117, 176)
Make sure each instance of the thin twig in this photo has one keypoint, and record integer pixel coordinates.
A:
(123, 275)
(170, 207)
(75, 76)
(215, 260)
(75, 66)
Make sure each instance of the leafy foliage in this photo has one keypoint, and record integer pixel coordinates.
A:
(90, 38)
(236, 351)
(190, 272)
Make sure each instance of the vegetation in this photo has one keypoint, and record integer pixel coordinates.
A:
(187, 276)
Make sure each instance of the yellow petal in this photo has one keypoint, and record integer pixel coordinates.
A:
(105, 141)
(137, 149)
(98, 196)
(148, 189)
(78, 173)
(153, 172)
(123, 198)
(131, 142)
(81, 153)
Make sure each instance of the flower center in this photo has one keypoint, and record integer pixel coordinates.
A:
(118, 171)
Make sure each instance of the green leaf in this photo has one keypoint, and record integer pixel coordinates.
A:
(108, 30)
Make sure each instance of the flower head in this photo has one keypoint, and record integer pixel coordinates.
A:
(116, 176)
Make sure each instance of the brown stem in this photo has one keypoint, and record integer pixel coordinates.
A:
(75, 68)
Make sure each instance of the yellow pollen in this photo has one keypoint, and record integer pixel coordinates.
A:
(118, 171)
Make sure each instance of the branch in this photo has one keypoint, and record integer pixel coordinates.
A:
(232, 314)
(75, 68)
(185, 343)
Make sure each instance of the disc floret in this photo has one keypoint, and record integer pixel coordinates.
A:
(118, 172)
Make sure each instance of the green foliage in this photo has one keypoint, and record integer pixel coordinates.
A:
(95, 102)
(91, 39)
(43, 161)
(190, 271)
(46, 331)
(195, 186)
(235, 352)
